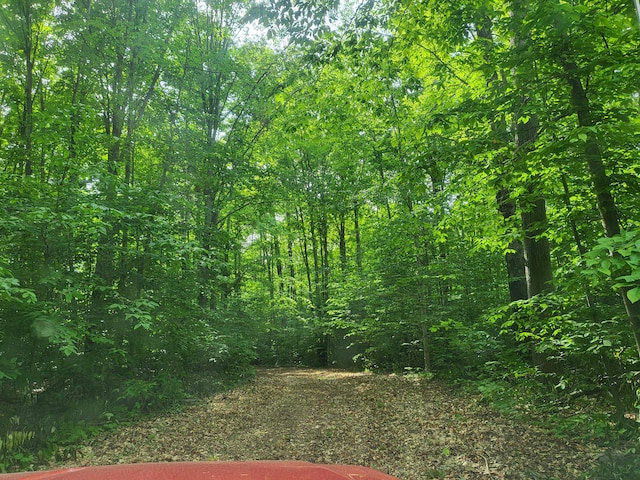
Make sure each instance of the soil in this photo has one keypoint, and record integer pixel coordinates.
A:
(404, 426)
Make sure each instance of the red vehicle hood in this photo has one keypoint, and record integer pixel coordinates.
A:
(256, 470)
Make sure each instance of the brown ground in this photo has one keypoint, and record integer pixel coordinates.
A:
(412, 429)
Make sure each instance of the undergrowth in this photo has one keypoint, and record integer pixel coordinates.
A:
(585, 420)
(42, 431)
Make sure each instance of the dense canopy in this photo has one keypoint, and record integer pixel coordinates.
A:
(202, 186)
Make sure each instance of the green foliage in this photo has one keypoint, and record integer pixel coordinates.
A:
(179, 201)
(14, 447)
(466, 351)
(575, 352)
(618, 465)
(616, 260)
(10, 288)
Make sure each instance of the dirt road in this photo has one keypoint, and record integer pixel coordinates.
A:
(411, 429)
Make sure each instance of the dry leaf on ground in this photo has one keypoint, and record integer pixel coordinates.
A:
(408, 428)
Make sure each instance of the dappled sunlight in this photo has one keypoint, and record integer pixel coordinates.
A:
(314, 374)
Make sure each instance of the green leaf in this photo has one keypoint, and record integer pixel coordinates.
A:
(631, 278)
(634, 294)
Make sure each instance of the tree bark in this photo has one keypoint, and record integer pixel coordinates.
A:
(342, 243)
(514, 259)
(304, 249)
(426, 353)
(279, 265)
(600, 180)
(537, 253)
(356, 226)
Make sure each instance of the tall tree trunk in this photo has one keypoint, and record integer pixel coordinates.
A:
(291, 263)
(292, 269)
(600, 180)
(268, 264)
(279, 265)
(24, 23)
(537, 253)
(317, 268)
(566, 196)
(533, 214)
(426, 351)
(324, 239)
(304, 249)
(514, 258)
(356, 227)
(342, 242)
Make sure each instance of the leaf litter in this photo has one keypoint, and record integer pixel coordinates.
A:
(404, 426)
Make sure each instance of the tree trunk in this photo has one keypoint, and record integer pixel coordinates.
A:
(342, 243)
(356, 227)
(566, 195)
(600, 180)
(537, 253)
(305, 253)
(29, 47)
(426, 353)
(514, 259)
(317, 274)
(324, 271)
(279, 266)
(292, 269)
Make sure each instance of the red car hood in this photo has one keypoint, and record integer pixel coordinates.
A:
(256, 470)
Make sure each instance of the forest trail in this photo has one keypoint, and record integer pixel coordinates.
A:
(412, 429)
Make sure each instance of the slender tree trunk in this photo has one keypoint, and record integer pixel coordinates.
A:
(279, 266)
(27, 117)
(342, 242)
(566, 195)
(426, 352)
(317, 267)
(324, 238)
(291, 263)
(24, 22)
(305, 253)
(268, 265)
(356, 227)
(292, 269)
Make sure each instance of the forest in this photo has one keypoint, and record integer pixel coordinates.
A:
(192, 188)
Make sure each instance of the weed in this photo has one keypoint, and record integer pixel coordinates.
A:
(13, 451)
